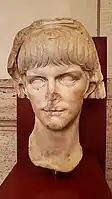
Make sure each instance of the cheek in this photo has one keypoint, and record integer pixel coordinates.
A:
(73, 94)
(36, 97)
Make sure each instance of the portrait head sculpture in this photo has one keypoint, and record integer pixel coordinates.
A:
(54, 63)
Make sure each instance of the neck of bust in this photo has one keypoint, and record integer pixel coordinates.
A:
(57, 150)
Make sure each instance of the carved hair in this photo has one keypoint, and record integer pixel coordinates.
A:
(59, 41)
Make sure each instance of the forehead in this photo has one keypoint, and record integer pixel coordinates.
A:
(54, 70)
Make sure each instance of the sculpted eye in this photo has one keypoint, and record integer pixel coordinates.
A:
(68, 79)
(38, 82)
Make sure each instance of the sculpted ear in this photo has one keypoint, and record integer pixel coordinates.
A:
(96, 90)
(20, 88)
(90, 90)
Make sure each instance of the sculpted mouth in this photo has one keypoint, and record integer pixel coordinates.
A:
(53, 110)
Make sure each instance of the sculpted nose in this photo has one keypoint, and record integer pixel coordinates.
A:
(51, 86)
(51, 89)
(52, 95)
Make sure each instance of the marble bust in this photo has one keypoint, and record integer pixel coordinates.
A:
(54, 63)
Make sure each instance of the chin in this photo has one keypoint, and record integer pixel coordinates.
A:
(55, 126)
(56, 123)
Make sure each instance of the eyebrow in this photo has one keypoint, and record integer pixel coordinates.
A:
(30, 76)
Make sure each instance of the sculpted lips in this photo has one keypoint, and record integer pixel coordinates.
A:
(54, 111)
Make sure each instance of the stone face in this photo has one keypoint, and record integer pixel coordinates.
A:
(54, 63)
